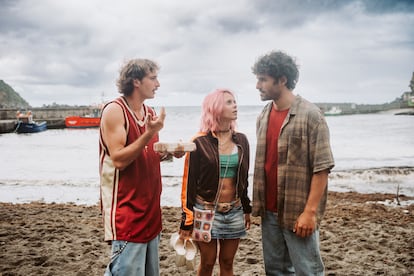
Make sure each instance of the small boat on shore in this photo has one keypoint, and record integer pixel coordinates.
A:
(87, 121)
(82, 121)
(334, 111)
(25, 123)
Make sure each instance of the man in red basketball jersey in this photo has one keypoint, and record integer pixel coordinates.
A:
(130, 172)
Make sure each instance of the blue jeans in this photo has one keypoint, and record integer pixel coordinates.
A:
(285, 253)
(134, 259)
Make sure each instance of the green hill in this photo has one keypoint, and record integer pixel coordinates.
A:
(10, 98)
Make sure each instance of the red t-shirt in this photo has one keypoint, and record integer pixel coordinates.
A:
(276, 119)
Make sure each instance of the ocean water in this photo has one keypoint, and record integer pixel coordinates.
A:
(374, 153)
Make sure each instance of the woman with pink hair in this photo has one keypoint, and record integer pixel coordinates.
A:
(216, 178)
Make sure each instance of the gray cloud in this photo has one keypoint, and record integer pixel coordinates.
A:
(388, 6)
(70, 51)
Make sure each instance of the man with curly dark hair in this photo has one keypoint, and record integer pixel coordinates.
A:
(293, 160)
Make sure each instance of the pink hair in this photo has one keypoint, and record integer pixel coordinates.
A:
(211, 110)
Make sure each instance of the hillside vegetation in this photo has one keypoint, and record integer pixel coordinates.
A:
(10, 98)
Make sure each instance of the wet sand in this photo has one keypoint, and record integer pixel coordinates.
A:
(358, 237)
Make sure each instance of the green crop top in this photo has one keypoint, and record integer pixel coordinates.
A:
(231, 162)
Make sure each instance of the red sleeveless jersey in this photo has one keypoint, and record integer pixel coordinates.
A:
(130, 199)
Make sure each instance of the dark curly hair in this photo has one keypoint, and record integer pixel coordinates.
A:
(132, 70)
(278, 64)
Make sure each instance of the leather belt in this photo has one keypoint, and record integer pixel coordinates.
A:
(222, 207)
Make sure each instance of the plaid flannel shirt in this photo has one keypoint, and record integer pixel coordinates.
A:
(303, 149)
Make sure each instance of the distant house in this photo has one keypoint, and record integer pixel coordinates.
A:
(408, 97)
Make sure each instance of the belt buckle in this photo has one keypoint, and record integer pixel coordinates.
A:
(225, 207)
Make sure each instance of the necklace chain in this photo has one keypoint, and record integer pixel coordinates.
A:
(223, 144)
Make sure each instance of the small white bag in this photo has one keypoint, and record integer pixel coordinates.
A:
(203, 222)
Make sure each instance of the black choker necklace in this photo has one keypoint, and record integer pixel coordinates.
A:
(222, 131)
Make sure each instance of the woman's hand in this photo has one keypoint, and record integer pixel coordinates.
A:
(167, 156)
(247, 221)
(178, 154)
(185, 234)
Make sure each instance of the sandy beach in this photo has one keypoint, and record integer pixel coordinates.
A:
(358, 237)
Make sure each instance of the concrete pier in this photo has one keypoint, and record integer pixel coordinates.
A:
(55, 117)
(7, 126)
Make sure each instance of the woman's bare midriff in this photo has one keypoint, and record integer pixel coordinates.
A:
(228, 190)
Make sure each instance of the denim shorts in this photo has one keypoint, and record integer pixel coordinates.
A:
(228, 225)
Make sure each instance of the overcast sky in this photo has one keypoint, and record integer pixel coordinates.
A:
(70, 52)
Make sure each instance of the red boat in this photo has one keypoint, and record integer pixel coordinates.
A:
(82, 121)
(92, 120)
